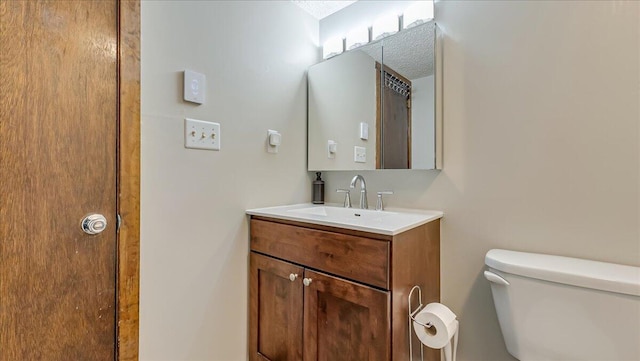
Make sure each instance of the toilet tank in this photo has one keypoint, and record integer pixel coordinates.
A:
(561, 308)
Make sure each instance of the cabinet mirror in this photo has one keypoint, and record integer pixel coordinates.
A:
(375, 107)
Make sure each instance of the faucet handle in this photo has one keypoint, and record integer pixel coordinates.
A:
(379, 204)
(347, 197)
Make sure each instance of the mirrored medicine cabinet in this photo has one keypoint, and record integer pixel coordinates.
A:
(378, 106)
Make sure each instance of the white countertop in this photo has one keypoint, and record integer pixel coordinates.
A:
(391, 221)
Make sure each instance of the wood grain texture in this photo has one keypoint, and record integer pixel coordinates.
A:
(415, 259)
(275, 310)
(396, 126)
(355, 258)
(344, 321)
(393, 124)
(58, 99)
(128, 180)
(351, 232)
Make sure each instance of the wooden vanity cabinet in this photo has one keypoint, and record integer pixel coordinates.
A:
(275, 308)
(321, 293)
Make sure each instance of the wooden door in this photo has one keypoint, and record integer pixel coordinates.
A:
(396, 131)
(344, 321)
(58, 124)
(393, 120)
(275, 316)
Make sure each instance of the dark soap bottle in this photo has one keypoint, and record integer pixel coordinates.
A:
(318, 190)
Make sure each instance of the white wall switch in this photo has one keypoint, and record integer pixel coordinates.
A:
(199, 134)
(194, 86)
(274, 139)
(332, 149)
(359, 154)
(364, 130)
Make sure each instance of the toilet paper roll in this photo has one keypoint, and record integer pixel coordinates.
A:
(443, 325)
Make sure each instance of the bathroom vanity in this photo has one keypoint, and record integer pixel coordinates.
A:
(331, 284)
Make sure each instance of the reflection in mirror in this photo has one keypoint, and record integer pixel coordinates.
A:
(376, 104)
(407, 115)
(343, 94)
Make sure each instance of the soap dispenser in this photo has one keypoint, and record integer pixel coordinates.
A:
(318, 189)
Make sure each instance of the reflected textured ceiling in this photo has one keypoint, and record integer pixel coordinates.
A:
(322, 9)
(409, 52)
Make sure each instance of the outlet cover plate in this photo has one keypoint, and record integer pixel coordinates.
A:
(199, 134)
(274, 139)
(332, 149)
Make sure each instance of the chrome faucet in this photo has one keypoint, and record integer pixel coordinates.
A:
(363, 190)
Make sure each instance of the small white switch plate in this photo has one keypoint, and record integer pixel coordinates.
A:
(274, 138)
(364, 131)
(359, 154)
(194, 86)
(332, 149)
(199, 134)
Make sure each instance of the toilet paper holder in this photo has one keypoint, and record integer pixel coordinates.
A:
(412, 319)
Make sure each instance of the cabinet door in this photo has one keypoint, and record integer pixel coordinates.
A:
(344, 321)
(275, 315)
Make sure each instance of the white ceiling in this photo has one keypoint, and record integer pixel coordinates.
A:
(322, 9)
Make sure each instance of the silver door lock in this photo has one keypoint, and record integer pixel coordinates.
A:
(93, 224)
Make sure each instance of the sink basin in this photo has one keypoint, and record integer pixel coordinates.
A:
(382, 222)
(340, 213)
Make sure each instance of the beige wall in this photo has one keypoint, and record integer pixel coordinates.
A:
(541, 123)
(541, 153)
(194, 246)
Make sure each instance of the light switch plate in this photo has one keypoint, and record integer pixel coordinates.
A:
(359, 154)
(199, 134)
(194, 86)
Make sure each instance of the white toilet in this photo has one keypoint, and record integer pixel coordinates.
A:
(561, 308)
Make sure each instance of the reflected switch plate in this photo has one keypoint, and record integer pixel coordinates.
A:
(359, 154)
(364, 131)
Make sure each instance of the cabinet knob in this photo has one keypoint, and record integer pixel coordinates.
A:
(293, 276)
(306, 281)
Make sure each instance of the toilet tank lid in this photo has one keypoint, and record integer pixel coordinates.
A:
(572, 271)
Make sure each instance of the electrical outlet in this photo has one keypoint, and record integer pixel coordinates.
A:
(274, 139)
(332, 149)
(199, 134)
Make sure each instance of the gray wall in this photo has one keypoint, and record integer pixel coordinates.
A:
(541, 103)
(194, 241)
